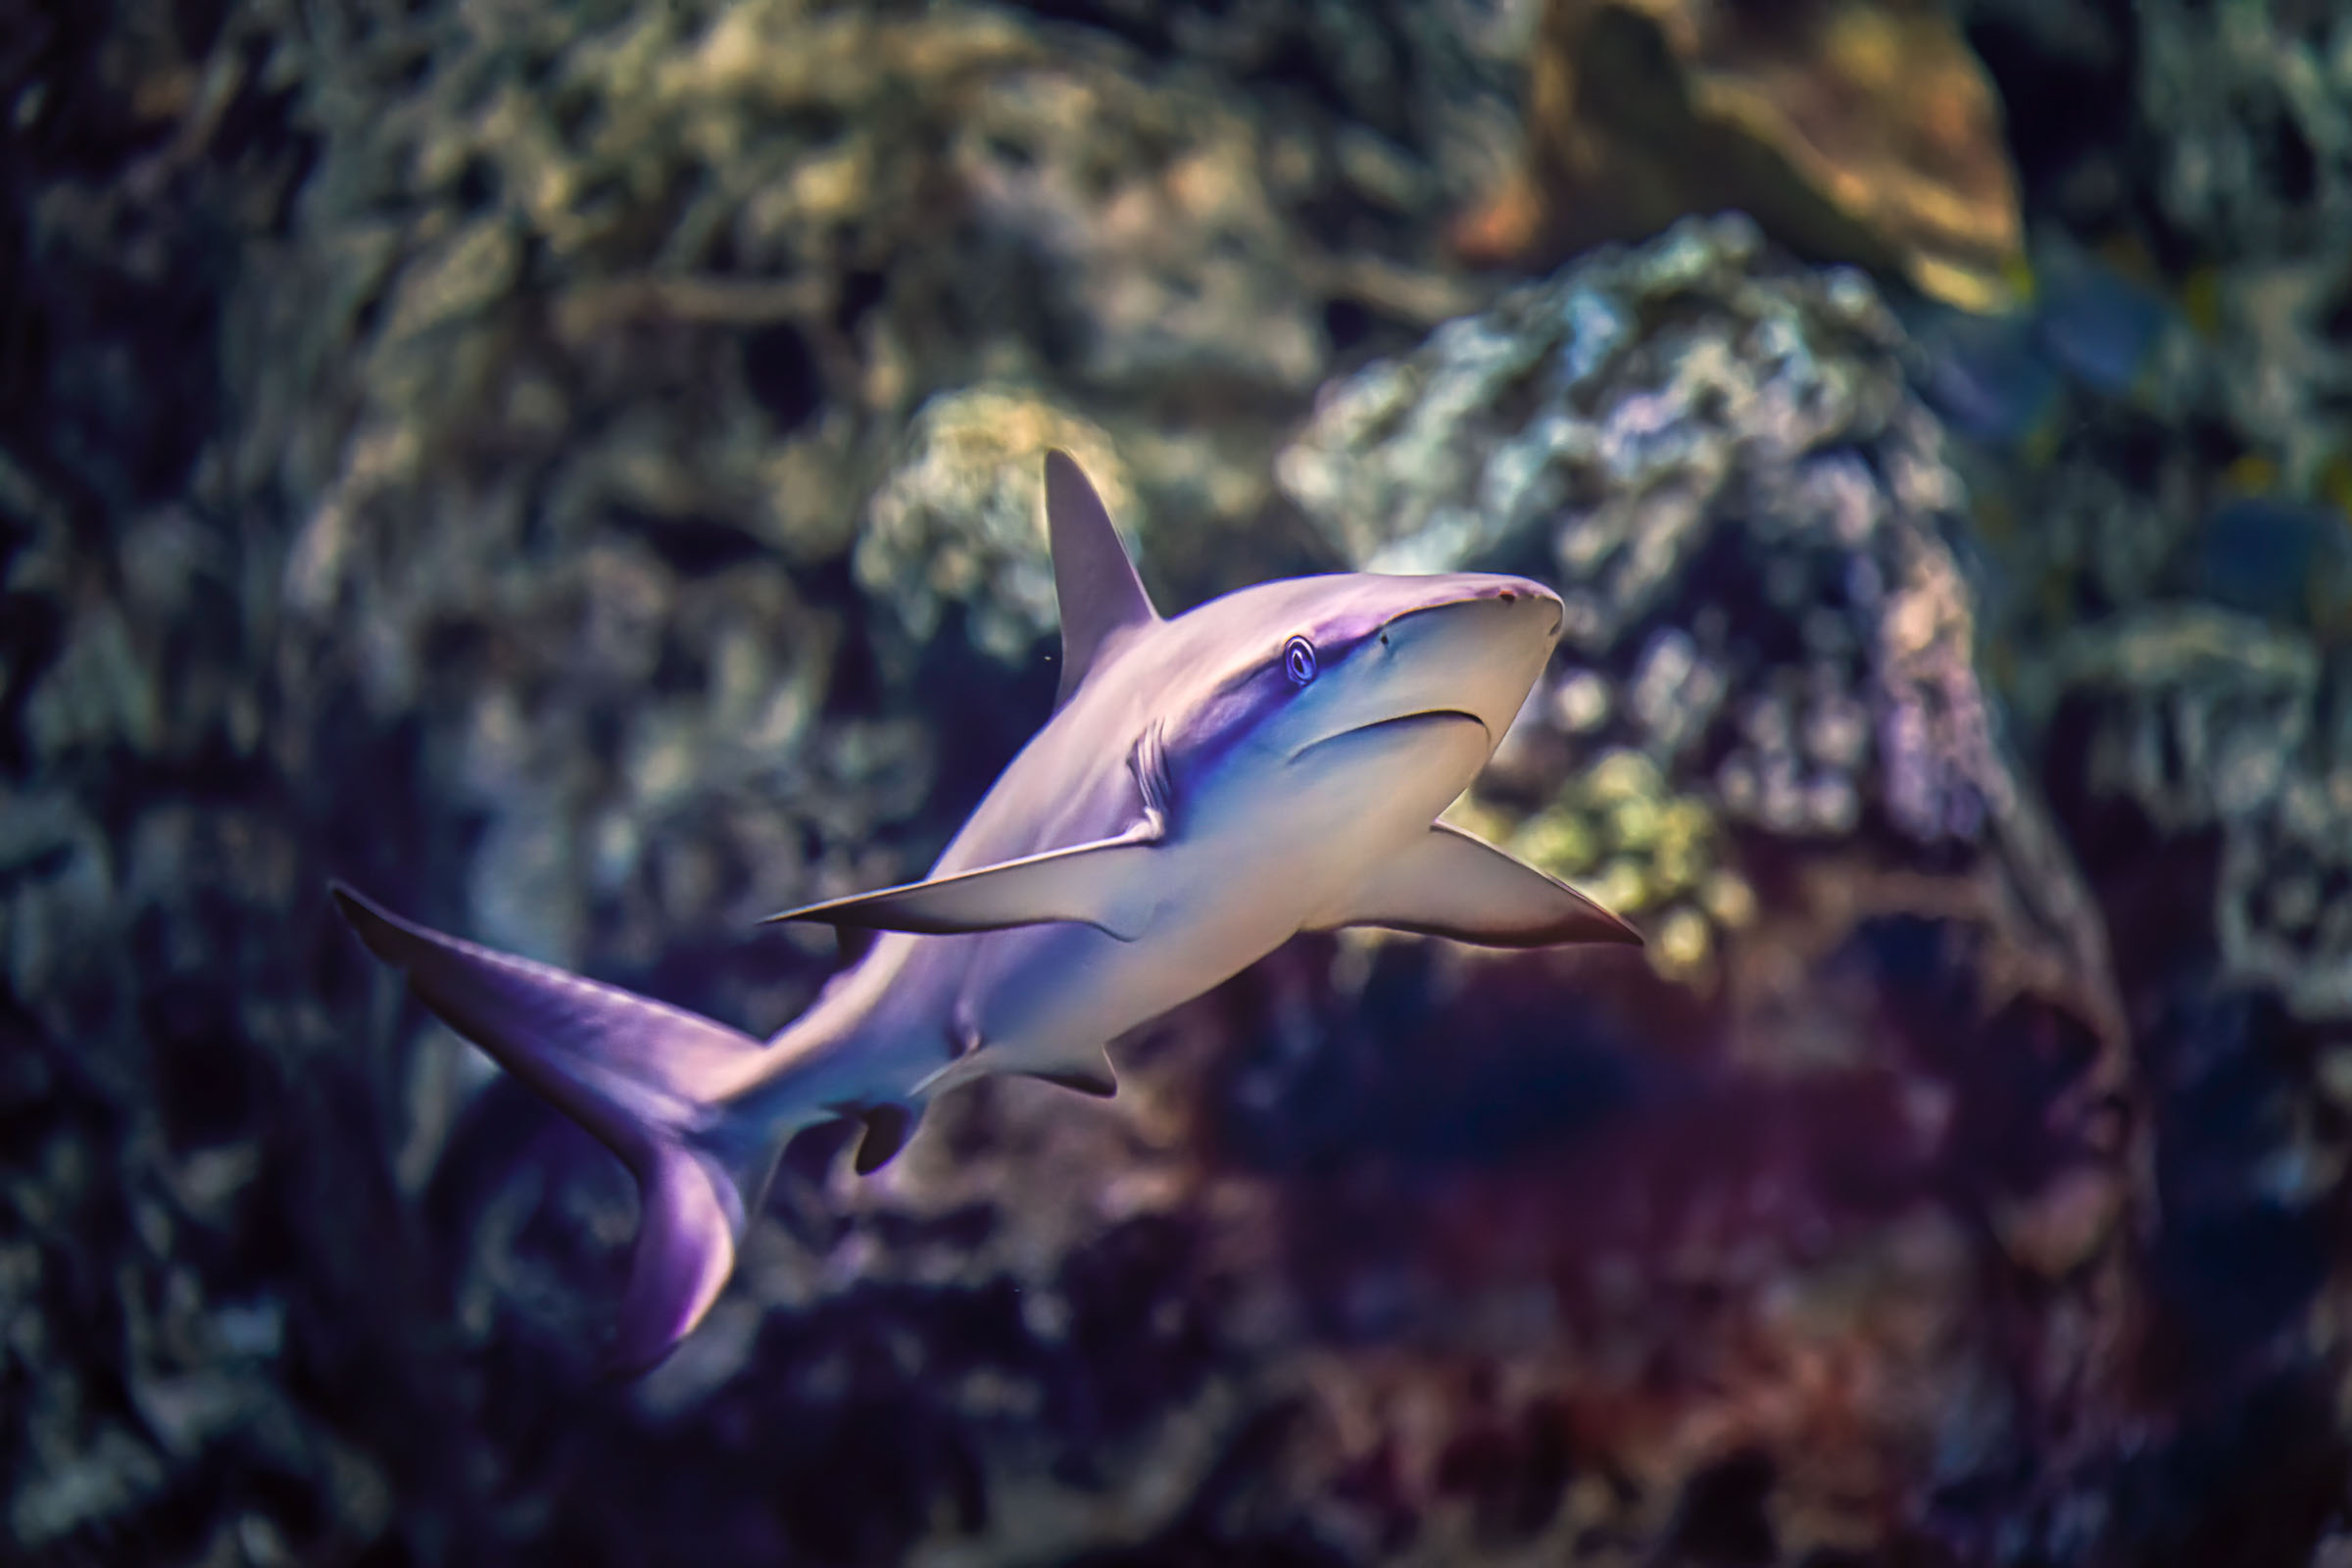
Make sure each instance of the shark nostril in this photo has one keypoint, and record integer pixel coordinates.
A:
(1506, 595)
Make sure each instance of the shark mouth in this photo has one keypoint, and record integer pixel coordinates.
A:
(1427, 717)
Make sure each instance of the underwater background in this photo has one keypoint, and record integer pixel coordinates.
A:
(571, 467)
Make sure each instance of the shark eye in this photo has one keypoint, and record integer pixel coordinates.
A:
(1299, 659)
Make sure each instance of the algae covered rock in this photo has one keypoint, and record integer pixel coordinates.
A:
(744, 245)
(1768, 735)
(2252, 105)
(2197, 719)
(2246, 111)
(961, 519)
(1749, 518)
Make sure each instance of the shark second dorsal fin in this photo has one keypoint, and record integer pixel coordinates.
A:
(1094, 581)
(1449, 884)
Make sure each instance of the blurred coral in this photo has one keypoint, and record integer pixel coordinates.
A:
(1855, 131)
(961, 519)
(2198, 719)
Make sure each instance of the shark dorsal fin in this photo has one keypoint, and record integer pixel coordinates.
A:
(1094, 581)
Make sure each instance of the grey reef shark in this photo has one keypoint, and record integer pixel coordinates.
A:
(1207, 787)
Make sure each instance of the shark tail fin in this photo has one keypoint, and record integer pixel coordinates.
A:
(650, 1081)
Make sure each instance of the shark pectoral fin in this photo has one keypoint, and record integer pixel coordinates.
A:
(1449, 884)
(1106, 884)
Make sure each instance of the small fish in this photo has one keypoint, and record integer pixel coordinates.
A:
(1990, 376)
(2097, 322)
(2010, 380)
(2288, 562)
(1208, 786)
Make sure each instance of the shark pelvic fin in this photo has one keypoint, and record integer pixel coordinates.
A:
(1449, 884)
(646, 1078)
(1104, 883)
(1094, 581)
(887, 1126)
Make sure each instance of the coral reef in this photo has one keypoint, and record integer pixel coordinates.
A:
(566, 469)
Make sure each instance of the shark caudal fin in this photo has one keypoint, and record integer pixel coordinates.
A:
(648, 1080)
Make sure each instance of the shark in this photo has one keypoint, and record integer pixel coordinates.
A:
(1208, 786)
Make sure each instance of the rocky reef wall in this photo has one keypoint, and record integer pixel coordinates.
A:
(569, 468)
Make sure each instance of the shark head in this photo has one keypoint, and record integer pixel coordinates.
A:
(1328, 686)
(1292, 665)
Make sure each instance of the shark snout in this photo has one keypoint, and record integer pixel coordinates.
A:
(1542, 606)
(1473, 645)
